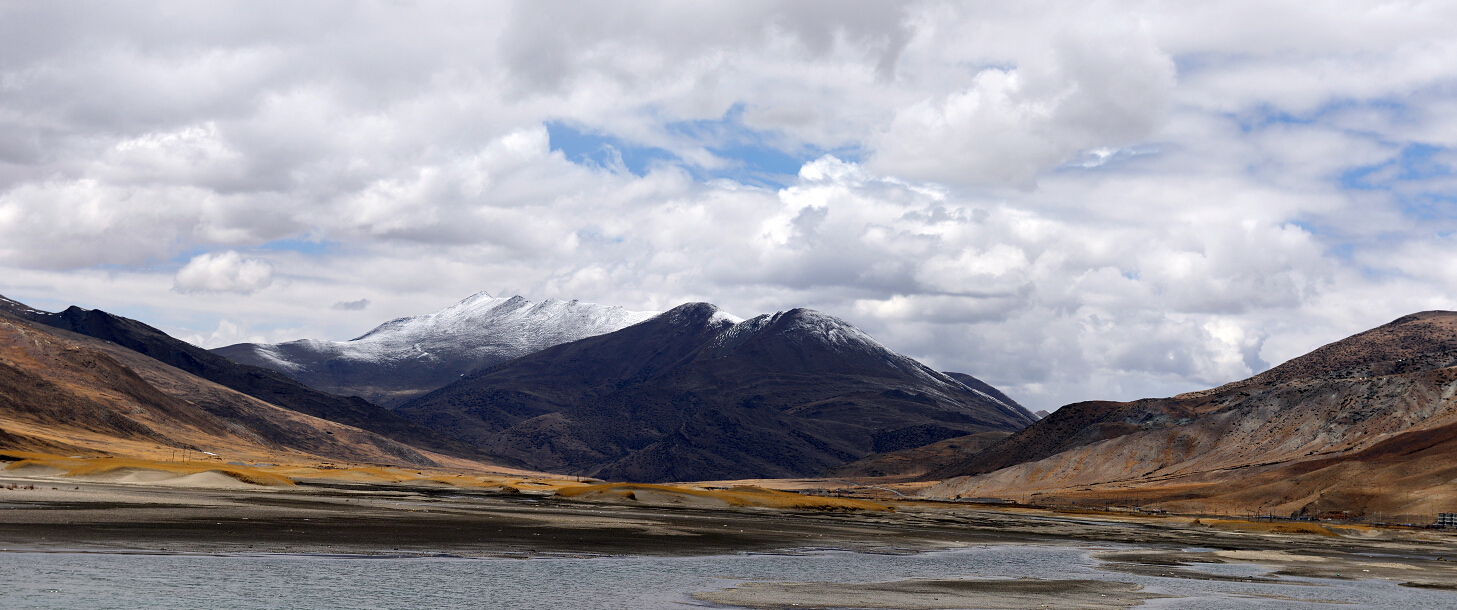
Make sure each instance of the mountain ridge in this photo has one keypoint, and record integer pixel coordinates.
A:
(695, 394)
(65, 392)
(1287, 439)
(264, 384)
(406, 357)
(1093, 421)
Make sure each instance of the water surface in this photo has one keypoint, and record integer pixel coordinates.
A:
(165, 582)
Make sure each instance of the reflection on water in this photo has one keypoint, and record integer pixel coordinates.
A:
(100, 581)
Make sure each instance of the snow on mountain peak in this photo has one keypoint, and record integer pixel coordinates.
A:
(722, 316)
(694, 312)
(476, 329)
(831, 329)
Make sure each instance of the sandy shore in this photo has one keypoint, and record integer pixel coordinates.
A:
(1020, 594)
(333, 517)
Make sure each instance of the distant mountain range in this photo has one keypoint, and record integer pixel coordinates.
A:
(693, 393)
(1364, 425)
(260, 383)
(407, 357)
(697, 394)
(66, 393)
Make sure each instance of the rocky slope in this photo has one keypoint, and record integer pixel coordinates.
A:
(70, 394)
(695, 394)
(407, 357)
(1379, 401)
(263, 384)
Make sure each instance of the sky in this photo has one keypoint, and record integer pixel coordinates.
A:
(1070, 200)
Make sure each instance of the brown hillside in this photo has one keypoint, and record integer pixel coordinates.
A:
(1084, 423)
(1405, 337)
(65, 393)
(1315, 433)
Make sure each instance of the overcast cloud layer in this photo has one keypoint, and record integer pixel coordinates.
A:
(1072, 201)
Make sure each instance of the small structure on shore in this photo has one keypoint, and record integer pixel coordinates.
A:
(1446, 519)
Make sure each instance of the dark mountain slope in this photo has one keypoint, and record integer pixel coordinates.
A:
(269, 386)
(692, 395)
(981, 386)
(908, 464)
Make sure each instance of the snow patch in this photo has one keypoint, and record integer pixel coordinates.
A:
(476, 328)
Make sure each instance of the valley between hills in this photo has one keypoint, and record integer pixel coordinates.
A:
(501, 427)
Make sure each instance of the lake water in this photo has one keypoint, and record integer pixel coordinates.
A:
(192, 582)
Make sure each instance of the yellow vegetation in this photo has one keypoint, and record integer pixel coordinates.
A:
(1271, 527)
(284, 476)
(95, 467)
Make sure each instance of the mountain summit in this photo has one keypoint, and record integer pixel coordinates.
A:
(696, 394)
(404, 358)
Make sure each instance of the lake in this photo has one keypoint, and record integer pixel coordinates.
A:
(274, 581)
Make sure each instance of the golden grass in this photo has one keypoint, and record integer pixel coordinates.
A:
(741, 496)
(1270, 527)
(106, 465)
(285, 475)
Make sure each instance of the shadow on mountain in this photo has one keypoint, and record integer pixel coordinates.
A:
(692, 395)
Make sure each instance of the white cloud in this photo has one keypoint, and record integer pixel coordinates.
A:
(225, 272)
(227, 333)
(359, 305)
(1071, 200)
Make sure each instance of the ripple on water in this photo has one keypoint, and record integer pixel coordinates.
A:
(166, 582)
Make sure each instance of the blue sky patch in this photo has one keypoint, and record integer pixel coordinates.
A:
(605, 151)
(1407, 176)
(302, 246)
(755, 157)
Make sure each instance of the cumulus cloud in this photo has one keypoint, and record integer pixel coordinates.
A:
(225, 272)
(1072, 201)
(226, 333)
(1010, 125)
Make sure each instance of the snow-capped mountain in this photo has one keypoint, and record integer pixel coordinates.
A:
(406, 357)
(695, 394)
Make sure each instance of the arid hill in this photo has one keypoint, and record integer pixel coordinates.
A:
(1363, 425)
(264, 384)
(70, 394)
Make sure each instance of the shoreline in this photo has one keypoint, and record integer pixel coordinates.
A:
(333, 519)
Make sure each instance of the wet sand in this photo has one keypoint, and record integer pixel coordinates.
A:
(322, 517)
